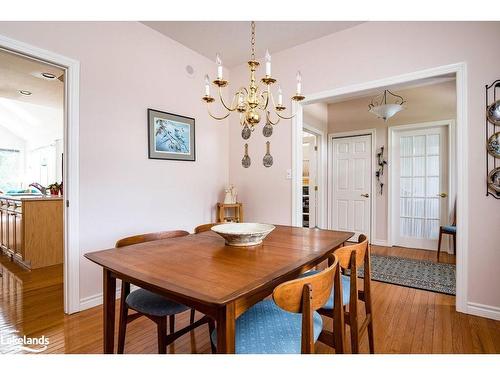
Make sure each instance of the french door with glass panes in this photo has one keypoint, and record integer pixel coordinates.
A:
(420, 186)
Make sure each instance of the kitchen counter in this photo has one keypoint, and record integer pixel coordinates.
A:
(30, 197)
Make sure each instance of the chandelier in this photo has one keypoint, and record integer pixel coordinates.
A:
(253, 103)
(380, 108)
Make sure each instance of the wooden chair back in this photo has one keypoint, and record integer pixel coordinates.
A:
(204, 227)
(353, 254)
(350, 258)
(306, 295)
(147, 237)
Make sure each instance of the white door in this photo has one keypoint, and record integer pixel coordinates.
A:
(420, 186)
(351, 184)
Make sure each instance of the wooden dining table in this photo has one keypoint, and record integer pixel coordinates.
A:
(221, 281)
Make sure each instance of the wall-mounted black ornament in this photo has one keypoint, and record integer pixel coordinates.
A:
(380, 172)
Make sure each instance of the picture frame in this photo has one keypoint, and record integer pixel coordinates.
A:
(171, 136)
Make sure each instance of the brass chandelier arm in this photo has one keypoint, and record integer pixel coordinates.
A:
(285, 117)
(217, 117)
(277, 112)
(268, 118)
(265, 98)
(232, 101)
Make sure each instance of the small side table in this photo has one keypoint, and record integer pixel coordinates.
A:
(237, 209)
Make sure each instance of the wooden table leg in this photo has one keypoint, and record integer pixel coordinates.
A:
(226, 329)
(109, 298)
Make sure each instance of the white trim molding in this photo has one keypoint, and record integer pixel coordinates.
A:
(71, 162)
(486, 311)
(354, 133)
(297, 125)
(460, 70)
(379, 242)
(95, 300)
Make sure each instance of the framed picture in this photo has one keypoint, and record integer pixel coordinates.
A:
(170, 136)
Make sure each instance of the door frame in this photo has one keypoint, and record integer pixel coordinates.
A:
(452, 173)
(322, 177)
(462, 144)
(354, 133)
(71, 162)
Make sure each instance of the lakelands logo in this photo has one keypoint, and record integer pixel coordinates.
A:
(25, 343)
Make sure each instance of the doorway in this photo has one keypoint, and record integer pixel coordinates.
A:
(422, 183)
(70, 163)
(458, 73)
(310, 142)
(351, 183)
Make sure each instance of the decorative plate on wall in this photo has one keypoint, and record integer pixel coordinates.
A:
(493, 113)
(494, 145)
(494, 180)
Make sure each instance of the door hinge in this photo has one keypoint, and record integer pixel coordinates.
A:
(315, 148)
(67, 203)
(316, 188)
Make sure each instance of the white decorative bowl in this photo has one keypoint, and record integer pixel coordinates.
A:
(243, 234)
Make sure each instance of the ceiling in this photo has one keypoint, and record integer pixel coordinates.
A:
(232, 38)
(422, 104)
(37, 116)
(21, 73)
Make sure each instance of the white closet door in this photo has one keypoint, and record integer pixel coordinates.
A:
(420, 186)
(351, 207)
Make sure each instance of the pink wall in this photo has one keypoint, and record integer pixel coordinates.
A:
(350, 57)
(127, 67)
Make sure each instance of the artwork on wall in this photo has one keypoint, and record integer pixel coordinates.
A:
(170, 136)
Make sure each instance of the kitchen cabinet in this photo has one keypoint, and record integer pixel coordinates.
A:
(31, 230)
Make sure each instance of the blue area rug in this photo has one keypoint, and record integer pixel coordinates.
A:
(412, 273)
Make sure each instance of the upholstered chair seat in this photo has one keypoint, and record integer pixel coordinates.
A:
(450, 229)
(265, 328)
(150, 303)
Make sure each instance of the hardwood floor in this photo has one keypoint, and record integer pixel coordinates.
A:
(406, 320)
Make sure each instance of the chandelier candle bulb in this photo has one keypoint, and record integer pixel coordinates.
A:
(207, 85)
(299, 83)
(280, 97)
(268, 64)
(219, 66)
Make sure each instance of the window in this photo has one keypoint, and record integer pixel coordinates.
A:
(10, 169)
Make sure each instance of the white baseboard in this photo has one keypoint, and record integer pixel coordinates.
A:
(445, 249)
(379, 242)
(95, 300)
(485, 311)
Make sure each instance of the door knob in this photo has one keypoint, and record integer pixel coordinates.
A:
(442, 195)
(365, 195)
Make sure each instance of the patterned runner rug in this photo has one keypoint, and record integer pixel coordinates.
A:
(419, 274)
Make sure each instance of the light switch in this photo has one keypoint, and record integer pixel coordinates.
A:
(288, 174)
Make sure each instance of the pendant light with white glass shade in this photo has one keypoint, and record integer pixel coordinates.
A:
(383, 109)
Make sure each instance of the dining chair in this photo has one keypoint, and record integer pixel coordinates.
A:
(288, 323)
(450, 230)
(204, 227)
(350, 258)
(151, 305)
